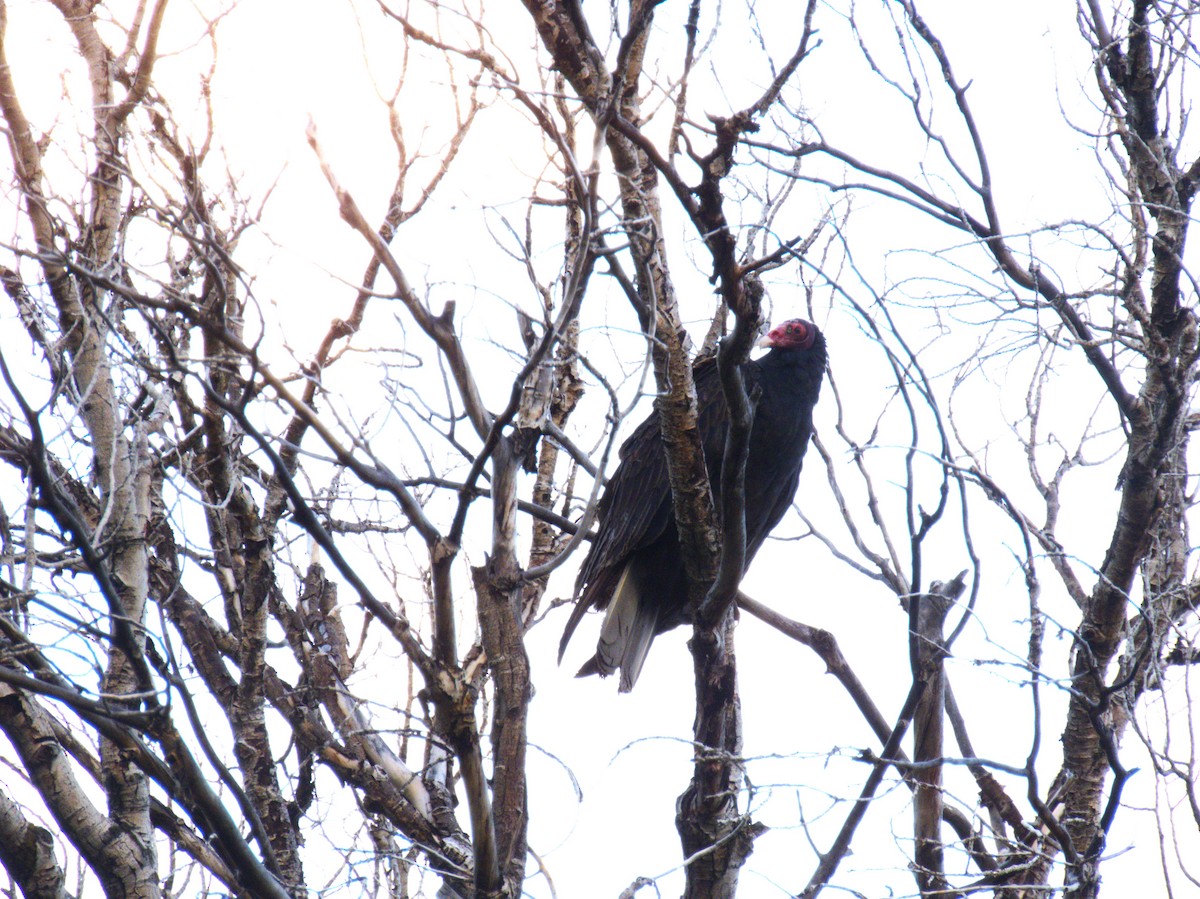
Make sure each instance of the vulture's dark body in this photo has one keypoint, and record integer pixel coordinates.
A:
(636, 540)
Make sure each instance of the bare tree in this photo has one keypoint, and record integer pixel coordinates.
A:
(277, 549)
(1130, 319)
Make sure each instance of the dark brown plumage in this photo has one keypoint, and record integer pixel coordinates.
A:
(635, 569)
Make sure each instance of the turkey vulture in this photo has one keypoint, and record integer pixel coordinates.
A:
(634, 568)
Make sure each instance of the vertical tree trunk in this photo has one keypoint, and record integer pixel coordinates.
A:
(928, 744)
(713, 832)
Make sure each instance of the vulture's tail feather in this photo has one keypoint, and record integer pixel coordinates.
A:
(628, 629)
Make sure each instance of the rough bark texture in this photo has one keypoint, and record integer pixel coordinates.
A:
(116, 855)
(928, 741)
(1148, 519)
(119, 459)
(27, 853)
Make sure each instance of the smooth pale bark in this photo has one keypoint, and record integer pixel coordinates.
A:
(27, 850)
(119, 456)
(118, 857)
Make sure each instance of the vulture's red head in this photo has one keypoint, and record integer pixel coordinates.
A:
(796, 334)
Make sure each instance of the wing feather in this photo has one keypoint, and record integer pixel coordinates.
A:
(636, 506)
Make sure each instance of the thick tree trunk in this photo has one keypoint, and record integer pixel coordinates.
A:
(1150, 509)
(26, 850)
(120, 858)
(715, 835)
